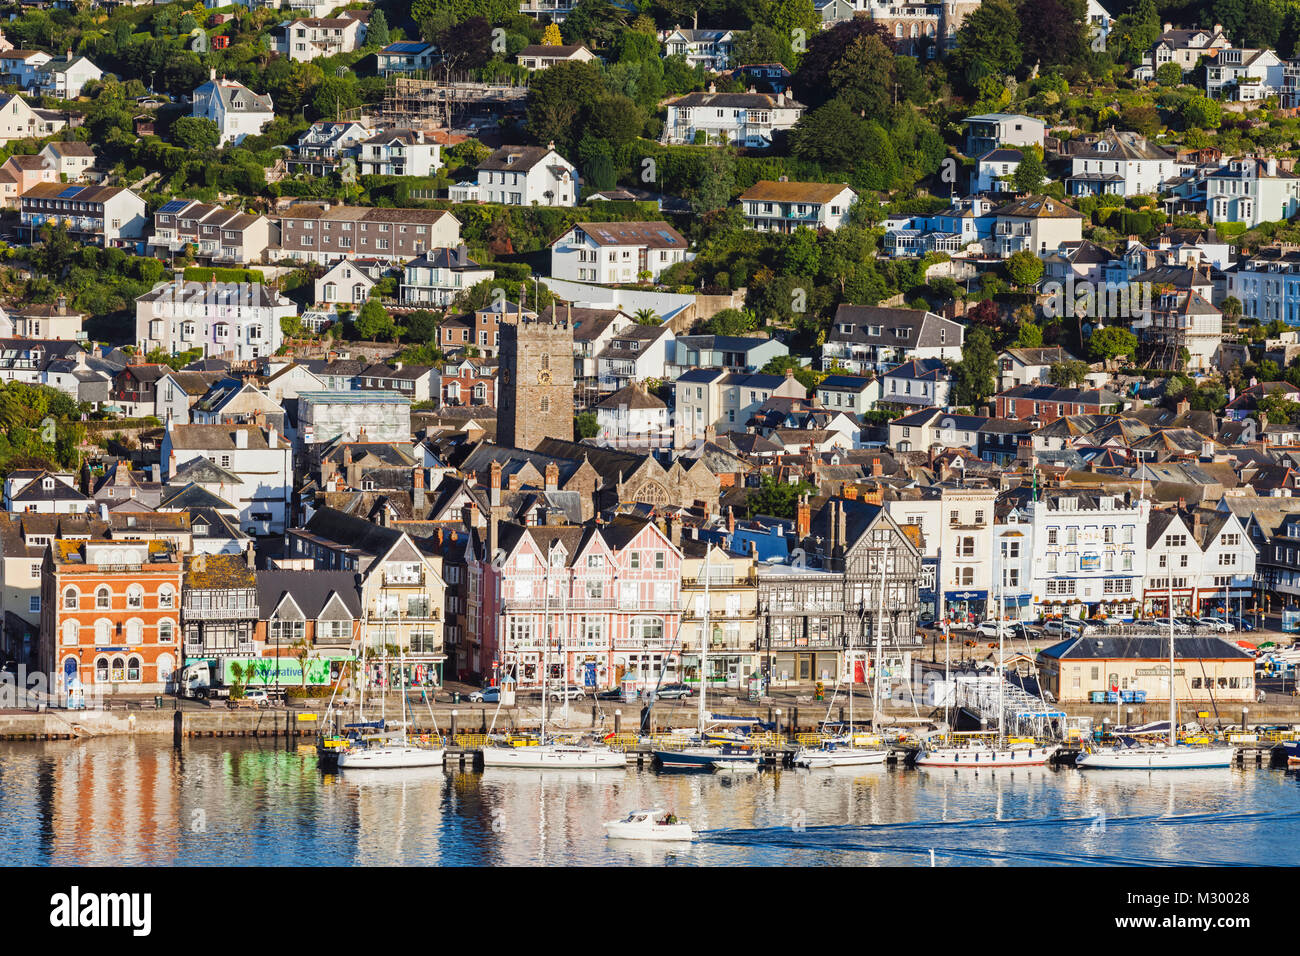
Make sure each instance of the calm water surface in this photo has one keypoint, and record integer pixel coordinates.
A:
(236, 802)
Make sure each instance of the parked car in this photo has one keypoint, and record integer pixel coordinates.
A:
(1215, 624)
(1163, 623)
(487, 695)
(613, 694)
(1067, 628)
(567, 692)
(672, 692)
(1009, 629)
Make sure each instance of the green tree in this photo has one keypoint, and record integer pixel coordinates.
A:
(804, 374)
(373, 321)
(1169, 74)
(988, 43)
(585, 425)
(1031, 173)
(777, 499)
(377, 30)
(559, 99)
(1024, 268)
(975, 375)
(1066, 374)
(1111, 342)
(731, 322)
(832, 136)
(1202, 112)
(864, 77)
(196, 133)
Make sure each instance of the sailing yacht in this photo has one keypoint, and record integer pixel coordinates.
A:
(840, 751)
(391, 750)
(705, 757)
(977, 752)
(552, 755)
(1129, 754)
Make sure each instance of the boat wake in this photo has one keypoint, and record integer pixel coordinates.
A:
(924, 836)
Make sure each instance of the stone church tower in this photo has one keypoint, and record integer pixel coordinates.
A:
(535, 381)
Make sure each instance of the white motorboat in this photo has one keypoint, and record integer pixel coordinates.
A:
(985, 755)
(736, 766)
(649, 825)
(554, 756)
(390, 756)
(1162, 756)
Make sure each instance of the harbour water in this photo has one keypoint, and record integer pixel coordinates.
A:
(117, 801)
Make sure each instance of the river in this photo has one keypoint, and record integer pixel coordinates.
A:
(138, 802)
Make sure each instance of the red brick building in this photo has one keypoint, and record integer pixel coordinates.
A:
(1046, 403)
(110, 613)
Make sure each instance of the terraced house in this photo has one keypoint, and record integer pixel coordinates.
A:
(322, 234)
(97, 215)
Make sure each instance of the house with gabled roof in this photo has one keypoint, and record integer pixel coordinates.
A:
(872, 338)
(522, 176)
(237, 110)
(743, 119)
(608, 252)
(918, 382)
(782, 206)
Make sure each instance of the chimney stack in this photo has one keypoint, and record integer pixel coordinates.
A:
(877, 469)
(731, 520)
(494, 483)
(250, 556)
(552, 476)
(802, 518)
(418, 496)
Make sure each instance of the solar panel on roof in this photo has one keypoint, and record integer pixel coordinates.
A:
(69, 192)
(175, 205)
(667, 236)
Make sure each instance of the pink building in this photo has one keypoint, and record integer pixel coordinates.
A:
(609, 595)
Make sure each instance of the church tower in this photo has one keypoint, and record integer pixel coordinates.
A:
(535, 381)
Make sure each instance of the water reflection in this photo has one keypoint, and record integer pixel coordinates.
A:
(139, 802)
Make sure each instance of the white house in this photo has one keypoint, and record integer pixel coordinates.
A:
(20, 120)
(1039, 224)
(605, 252)
(237, 110)
(344, 283)
(65, 76)
(710, 400)
(991, 130)
(44, 492)
(995, 169)
(1120, 163)
(867, 338)
(637, 353)
(541, 56)
(1252, 191)
(1244, 76)
(235, 320)
(438, 276)
(69, 161)
(261, 458)
(20, 66)
(710, 49)
(310, 37)
(920, 383)
(742, 119)
(632, 417)
(406, 56)
(522, 176)
(785, 206)
(400, 152)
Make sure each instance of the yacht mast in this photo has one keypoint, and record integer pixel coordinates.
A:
(1173, 725)
(947, 650)
(880, 627)
(1001, 612)
(704, 641)
(546, 640)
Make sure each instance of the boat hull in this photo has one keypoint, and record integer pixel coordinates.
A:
(976, 757)
(1292, 748)
(702, 758)
(619, 830)
(817, 759)
(1157, 758)
(391, 758)
(549, 757)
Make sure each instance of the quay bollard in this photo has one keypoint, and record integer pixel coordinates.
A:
(453, 724)
(618, 721)
(178, 728)
(794, 720)
(1244, 725)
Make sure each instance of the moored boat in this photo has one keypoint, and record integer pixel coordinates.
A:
(704, 758)
(1129, 754)
(557, 756)
(985, 755)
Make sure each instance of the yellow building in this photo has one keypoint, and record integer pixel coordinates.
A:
(1205, 668)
